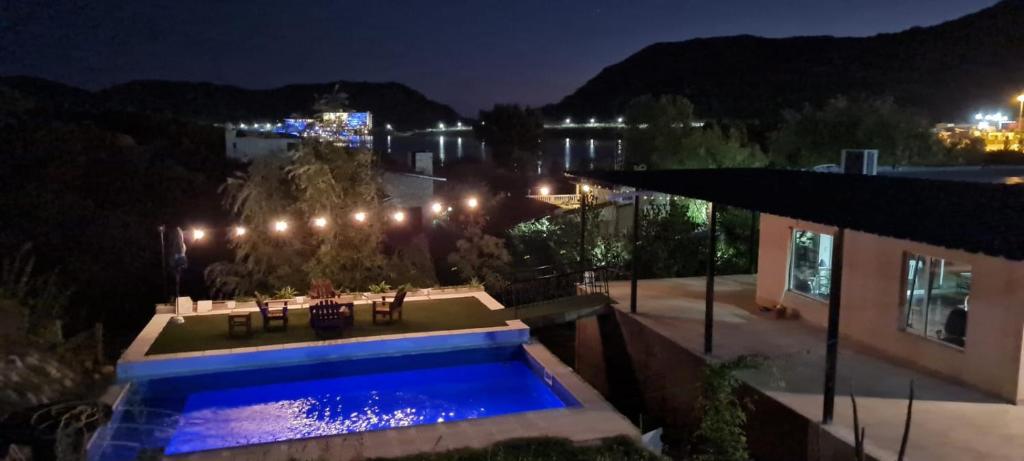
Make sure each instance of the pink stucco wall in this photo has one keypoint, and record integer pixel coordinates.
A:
(872, 298)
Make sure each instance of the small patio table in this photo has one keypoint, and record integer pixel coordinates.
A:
(239, 322)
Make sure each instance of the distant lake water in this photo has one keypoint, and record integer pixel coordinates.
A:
(558, 154)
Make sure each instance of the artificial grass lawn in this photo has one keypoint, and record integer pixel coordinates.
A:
(210, 332)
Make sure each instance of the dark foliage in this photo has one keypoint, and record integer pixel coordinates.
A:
(538, 449)
(88, 189)
(512, 131)
(947, 70)
(393, 103)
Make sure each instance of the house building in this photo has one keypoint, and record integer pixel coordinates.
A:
(245, 144)
(926, 264)
(412, 186)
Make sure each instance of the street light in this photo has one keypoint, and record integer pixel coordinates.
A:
(437, 208)
(320, 222)
(440, 126)
(593, 120)
(1020, 119)
(620, 120)
(198, 234)
(568, 121)
(360, 216)
(586, 188)
(545, 190)
(399, 216)
(281, 226)
(472, 203)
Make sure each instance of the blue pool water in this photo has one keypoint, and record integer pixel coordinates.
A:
(220, 410)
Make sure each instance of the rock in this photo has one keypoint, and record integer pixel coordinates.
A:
(14, 361)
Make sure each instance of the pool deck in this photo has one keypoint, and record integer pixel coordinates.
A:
(593, 420)
(950, 421)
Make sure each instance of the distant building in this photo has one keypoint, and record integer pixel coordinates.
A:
(248, 144)
(999, 137)
(412, 189)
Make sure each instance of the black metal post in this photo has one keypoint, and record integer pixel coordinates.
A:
(163, 260)
(636, 251)
(832, 336)
(709, 294)
(753, 241)
(583, 229)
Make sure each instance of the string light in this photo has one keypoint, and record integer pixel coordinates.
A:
(198, 234)
(399, 216)
(239, 231)
(281, 226)
(360, 216)
(320, 222)
(437, 208)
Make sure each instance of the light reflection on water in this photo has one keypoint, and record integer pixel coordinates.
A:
(557, 154)
(312, 408)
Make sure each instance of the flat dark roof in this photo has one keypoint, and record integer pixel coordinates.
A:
(1001, 174)
(978, 217)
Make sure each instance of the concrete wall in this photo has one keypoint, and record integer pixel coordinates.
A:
(624, 359)
(408, 190)
(872, 299)
(134, 365)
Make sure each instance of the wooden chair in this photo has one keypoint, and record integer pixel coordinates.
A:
(383, 308)
(328, 316)
(321, 289)
(270, 316)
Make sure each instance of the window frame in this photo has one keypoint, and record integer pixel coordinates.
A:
(791, 261)
(906, 298)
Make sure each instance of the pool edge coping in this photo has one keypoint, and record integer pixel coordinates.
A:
(592, 420)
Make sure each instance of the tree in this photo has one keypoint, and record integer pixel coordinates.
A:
(482, 257)
(321, 181)
(663, 133)
(815, 136)
(513, 132)
(477, 254)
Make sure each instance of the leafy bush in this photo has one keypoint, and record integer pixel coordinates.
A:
(382, 287)
(286, 293)
(721, 434)
(544, 449)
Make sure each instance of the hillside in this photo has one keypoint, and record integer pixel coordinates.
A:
(392, 103)
(948, 71)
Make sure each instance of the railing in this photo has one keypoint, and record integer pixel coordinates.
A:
(558, 285)
(559, 200)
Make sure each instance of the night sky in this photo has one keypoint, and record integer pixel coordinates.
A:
(466, 53)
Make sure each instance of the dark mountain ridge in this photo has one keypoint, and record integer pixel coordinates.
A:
(947, 71)
(391, 103)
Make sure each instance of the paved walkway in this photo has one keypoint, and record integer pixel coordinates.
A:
(950, 422)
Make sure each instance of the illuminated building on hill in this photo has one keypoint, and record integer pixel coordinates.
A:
(993, 131)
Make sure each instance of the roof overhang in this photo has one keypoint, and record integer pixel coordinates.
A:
(974, 217)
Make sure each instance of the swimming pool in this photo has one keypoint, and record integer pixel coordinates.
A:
(229, 409)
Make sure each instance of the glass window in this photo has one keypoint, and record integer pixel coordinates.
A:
(936, 299)
(810, 263)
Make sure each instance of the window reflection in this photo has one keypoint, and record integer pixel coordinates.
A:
(811, 264)
(936, 298)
